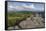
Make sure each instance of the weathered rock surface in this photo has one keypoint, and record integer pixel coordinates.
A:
(31, 22)
(15, 27)
(10, 28)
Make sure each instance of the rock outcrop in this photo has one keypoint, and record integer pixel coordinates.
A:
(32, 22)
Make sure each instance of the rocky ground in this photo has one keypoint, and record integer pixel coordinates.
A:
(31, 22)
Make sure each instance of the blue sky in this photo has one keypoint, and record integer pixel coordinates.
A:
(25, 6)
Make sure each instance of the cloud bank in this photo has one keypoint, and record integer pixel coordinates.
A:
(25, 6)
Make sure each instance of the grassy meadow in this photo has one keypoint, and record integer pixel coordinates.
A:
(17, 16)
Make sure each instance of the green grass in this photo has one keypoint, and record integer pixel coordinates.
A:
(17, 16)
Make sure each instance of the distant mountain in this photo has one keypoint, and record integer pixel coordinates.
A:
(27, 9)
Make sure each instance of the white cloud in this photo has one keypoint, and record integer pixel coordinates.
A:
(19, 8)
(23, 7)
(11, 8)
(30, 6)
